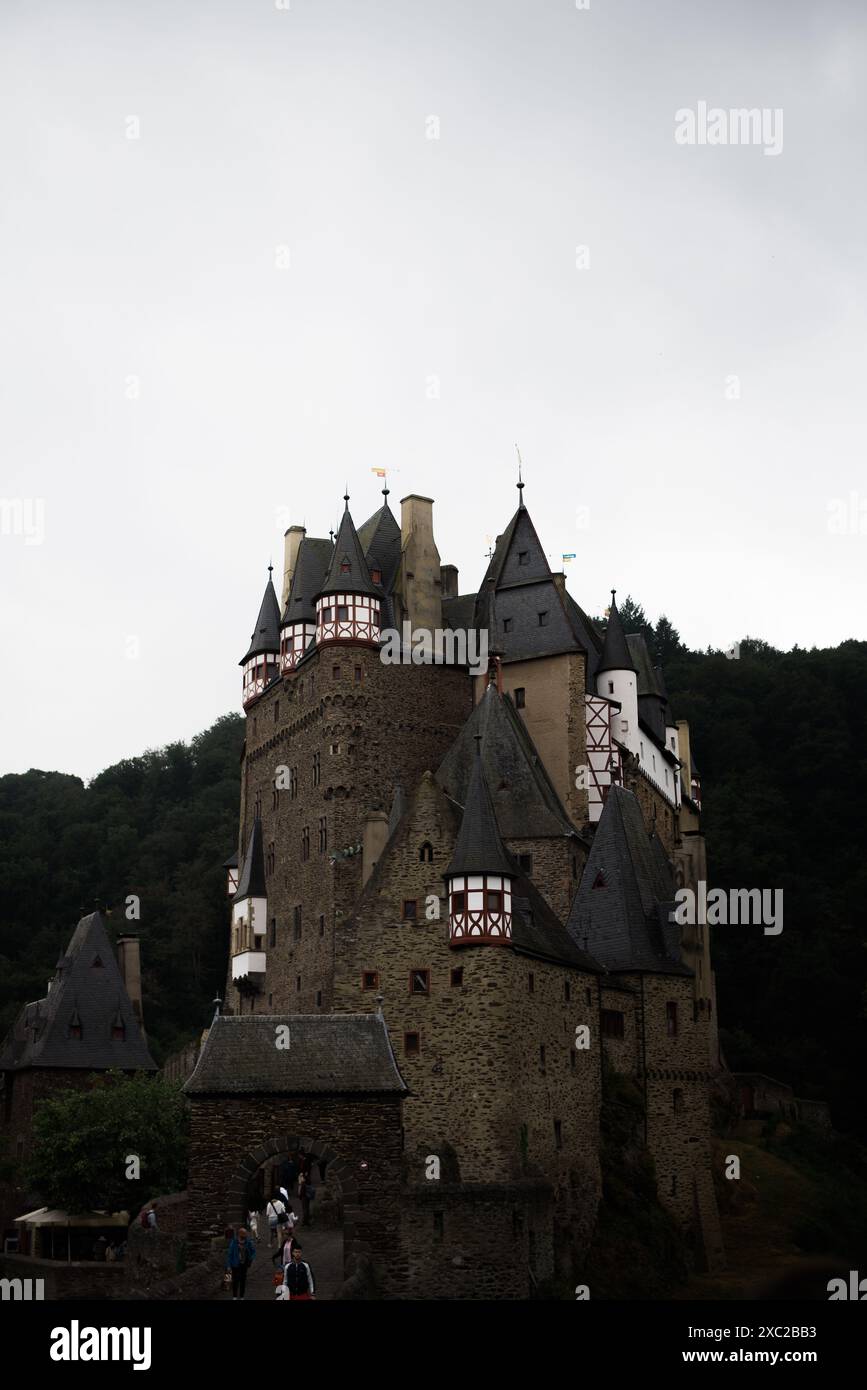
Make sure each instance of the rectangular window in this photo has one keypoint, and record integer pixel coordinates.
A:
(343, 614)
(519, 697)
(370, 980)
(335, 673)
(298, 984)
(542, 1056)
(296, 923)
(531, 983)
(458, 900)
(319, 998)
(523, 557)
(543, 618)
(457, 977)
(558, 1134)
(305, 843)
(293, 783)
(671, 1020)
(610, 687)
(573, 1059)
(358, 675)
(612, 1023)
(567, 991)
(410, 1044)
(508, 624)
(322, 924)
(317, 769)
(419, 982)
(439, 1225)
(276, 710)
(525, 862)
(410, 906)
(272, 940)
(323, 834)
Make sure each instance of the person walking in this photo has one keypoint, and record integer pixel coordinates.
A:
(298, 1277)
(305, 1194)
(240, 1256)
(253, 1224)
(284, 1250)
(272, 1211)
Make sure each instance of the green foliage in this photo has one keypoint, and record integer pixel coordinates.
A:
(82, 1141)
(159, 826)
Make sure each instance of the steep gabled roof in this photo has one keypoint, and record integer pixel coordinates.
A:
(251, 884)
(538, 931)
(616, 655)
(518, 588)
(379, 538)
(311, 567)
(348, 572)
(336, 1053)
(479, 848)
(87, 992)
(588, 637)
(524, 799)
(621, 912)
(266, 633)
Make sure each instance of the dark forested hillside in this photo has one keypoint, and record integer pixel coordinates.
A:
(160, 827)
(781, 742)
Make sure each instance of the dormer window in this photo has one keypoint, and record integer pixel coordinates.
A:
(508, 624)
(599, 881)
(118, 1032)
(376, 576)
(543, 618)
(345, 566)
(523, 557)
(96, 964)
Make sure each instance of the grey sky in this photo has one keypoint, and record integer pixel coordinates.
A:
(263, 389)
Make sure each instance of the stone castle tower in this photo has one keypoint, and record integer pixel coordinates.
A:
(486, 860)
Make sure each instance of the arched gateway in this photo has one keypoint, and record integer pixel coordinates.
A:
(268, 1084)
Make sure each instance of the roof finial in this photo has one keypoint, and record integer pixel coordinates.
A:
(520, 482)
(346, 496)
(331, 534)
(613, 592)
(385, 492)
(270, 569)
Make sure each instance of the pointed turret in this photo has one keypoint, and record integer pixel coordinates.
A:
(250, 914)
(298, 629)
(616, 655)
(262, 657)
(348, 604)
(479, 877)
(617, 680)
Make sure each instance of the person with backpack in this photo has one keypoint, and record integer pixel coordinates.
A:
(273, 1211)
(298, 1277)
(239, 1257)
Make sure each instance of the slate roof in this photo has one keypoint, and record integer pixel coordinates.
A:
(459, 612)
(538, 931)
(266, 633)
(479, 848)
(524, 799)
(398, 808)
(311, 567)
(347, 550)
(251, 884)
(588, 637)
(96, 994)
(380, 540)
(616, 655)
(327, 1053)
(521, 591)
(625, 923)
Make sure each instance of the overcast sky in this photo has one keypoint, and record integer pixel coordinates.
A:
(285, 281)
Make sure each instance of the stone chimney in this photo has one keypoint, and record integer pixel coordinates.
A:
(449, 581)
(129, 963)
(374, 837)
(418, 581)
(291, 545)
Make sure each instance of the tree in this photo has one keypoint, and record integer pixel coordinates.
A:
(666, 642)
(85, 1143)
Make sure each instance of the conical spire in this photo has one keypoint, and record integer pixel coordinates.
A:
(479, 848)
(252, 881)
(348, 572)
(266, 634)
(616, 655)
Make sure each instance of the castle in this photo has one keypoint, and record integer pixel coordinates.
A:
(454, 893)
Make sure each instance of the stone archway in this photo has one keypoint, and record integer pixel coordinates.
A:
(339, 1173)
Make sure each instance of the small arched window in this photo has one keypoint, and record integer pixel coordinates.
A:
(425, 854)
